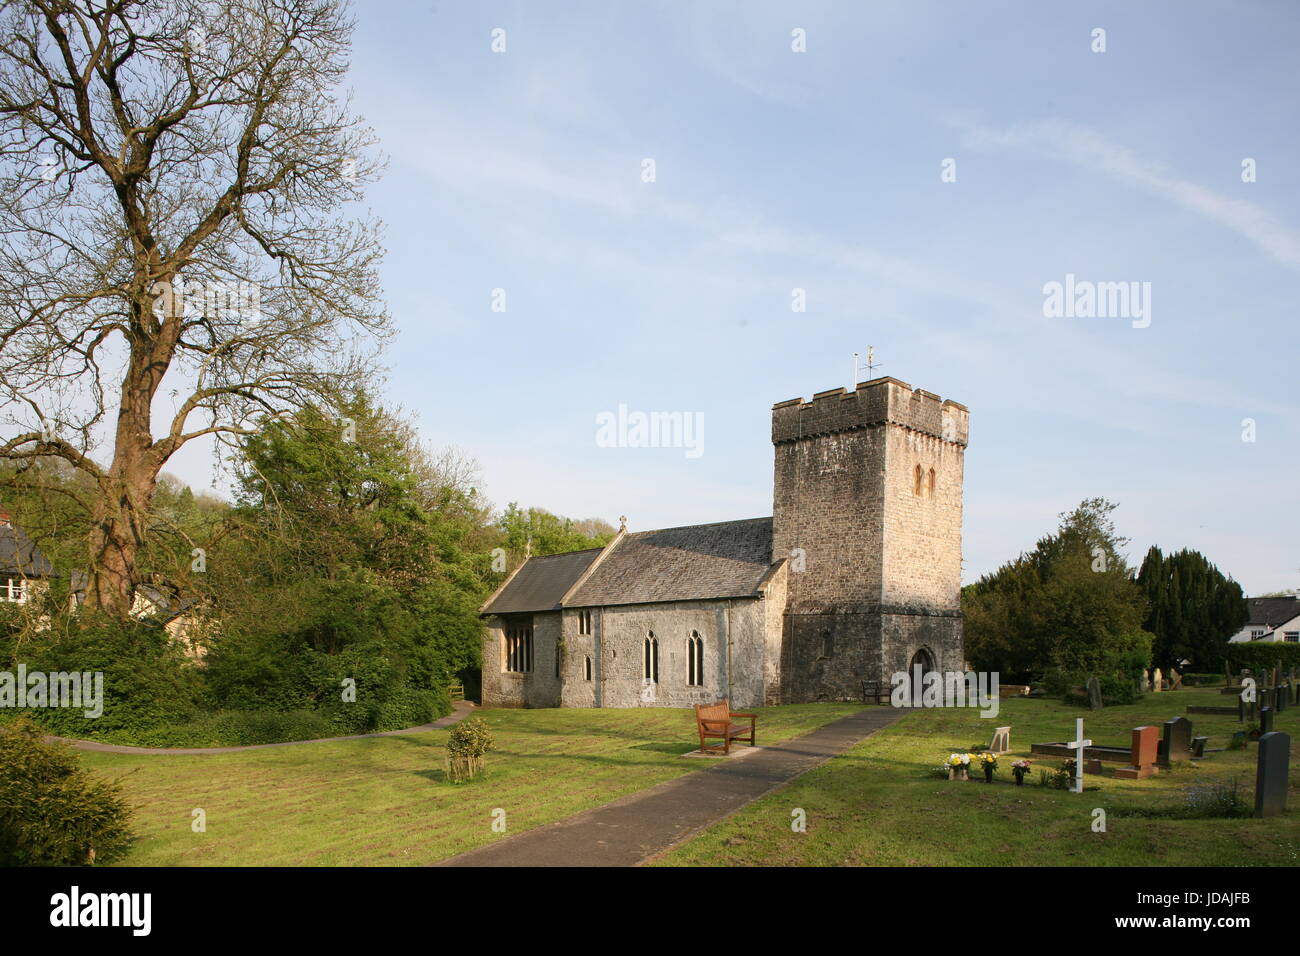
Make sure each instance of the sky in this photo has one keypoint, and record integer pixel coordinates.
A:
(518, 178)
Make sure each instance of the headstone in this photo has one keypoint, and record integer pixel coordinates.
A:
(1001, 740)
(1156, 679)
(1143, 754)
(1271, 774)
(1092, 765)
(1280, 698)
(1079, 745)
(1241, 710)
(1178, 740)
(1198, 747)
(1176, 678)
(1094, 694)
(1146, 679)
(1265, 720)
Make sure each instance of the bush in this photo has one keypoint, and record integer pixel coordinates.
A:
(52, 811)
(147, 681)
(467, 744)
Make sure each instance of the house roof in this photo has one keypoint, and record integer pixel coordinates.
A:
(1272, 611)
(541, 582)
(692, 563)
(19, 555)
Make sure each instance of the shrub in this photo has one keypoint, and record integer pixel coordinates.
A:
(467, 744)
(52, 811)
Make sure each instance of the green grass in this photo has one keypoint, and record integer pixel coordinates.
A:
(876, 804)
(386, 801)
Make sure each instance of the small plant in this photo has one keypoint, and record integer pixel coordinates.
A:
(1059, 779)
(467, 744)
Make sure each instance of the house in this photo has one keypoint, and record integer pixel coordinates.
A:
(24, 571)
(1271, 619)
(855, 576)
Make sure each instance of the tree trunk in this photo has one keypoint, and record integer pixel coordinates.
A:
(121, 513)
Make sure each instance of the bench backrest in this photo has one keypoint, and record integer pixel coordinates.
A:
(720, 711)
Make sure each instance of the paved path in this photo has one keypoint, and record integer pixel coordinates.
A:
(635, 828)
(460, 709)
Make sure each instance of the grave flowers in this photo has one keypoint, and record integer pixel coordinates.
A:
(958, 766)
(989, 762)
(1019, 769)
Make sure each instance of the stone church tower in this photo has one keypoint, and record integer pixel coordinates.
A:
(867, 509)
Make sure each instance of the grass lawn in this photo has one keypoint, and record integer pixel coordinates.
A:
(877, 805)
(386, 801)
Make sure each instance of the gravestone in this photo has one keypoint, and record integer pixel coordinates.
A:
(1145, 745)
(1265, 720)
(1094, 694)
(1001, 740)
(1092, 765)
(1146, 679)
(1176, 679)
(1241, 711)
(1177, 744)
(1198, 747)
(1271, 774)
(1156, 680)
(1280, 698)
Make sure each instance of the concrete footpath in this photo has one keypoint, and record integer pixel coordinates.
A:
(635, 828)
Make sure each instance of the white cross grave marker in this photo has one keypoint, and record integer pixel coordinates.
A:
(1078, 744)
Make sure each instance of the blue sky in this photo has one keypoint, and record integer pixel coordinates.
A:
(778, 170)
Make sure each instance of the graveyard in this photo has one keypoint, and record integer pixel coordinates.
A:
(886, 801)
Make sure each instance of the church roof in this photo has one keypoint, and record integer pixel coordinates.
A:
(540, 582)
(693, 563)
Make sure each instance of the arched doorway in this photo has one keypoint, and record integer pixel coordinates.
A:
(924, 660)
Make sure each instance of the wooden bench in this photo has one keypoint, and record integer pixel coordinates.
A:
(713, 721)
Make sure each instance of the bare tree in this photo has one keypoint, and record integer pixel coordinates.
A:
(177, 253)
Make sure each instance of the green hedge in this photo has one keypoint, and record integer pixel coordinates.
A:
(1257, 655)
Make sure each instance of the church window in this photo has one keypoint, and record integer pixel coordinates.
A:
(586, 668)
(931, 482)
(828, 644)
(519, 650)
(557, 660)
(650, 662)
(584, 622)
(916, 481)
(695, 660)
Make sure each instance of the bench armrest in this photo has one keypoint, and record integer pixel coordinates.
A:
(714, 723)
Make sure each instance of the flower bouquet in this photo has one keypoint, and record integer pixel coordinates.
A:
(989, 761)
(1019, 769)
(958, 765)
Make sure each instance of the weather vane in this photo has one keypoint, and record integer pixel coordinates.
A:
(871, 365)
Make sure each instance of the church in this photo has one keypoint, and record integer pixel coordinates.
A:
(854, 577)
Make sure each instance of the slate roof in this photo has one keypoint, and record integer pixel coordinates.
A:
(19, 555)
(540, 583)
(693, 563)
(1272, 611)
